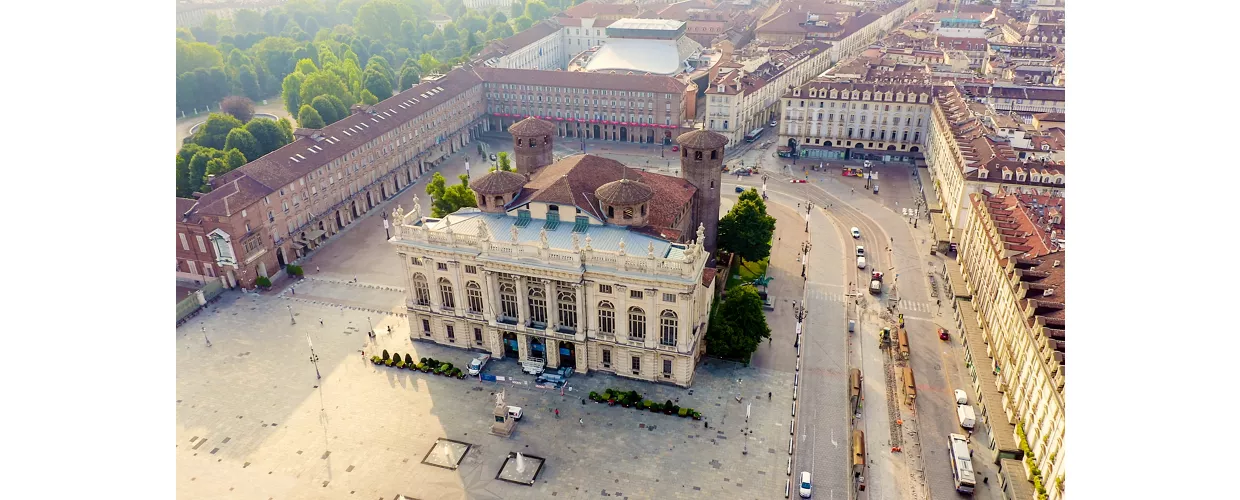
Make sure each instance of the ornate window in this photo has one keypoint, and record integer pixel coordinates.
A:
(508, 300)
(637, 323)
(538, 305)
(606, 318)
(473, 293)
(566, 303)
(445, 293)
(667, 328)
(421, 291)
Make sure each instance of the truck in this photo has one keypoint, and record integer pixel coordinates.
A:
(876, 283)
(965, 414)
(476, 364)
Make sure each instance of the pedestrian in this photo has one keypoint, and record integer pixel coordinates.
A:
(768, 396)
(557, 413)
(706, 424)
(293, 290)
(389, 329)
(316, 269)
(320, 321)
(581, 421)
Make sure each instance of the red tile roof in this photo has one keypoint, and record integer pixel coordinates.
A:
(183, 206)
(581, 79)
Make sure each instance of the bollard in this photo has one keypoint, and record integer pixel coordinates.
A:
(794, 393)
(790, 441)
(787, 487)
(798, 363)
(792, 426)
(794, 408)
(789, 466)
(795, 377)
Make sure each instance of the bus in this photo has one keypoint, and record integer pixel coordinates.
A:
(962, 463)
(753, 134)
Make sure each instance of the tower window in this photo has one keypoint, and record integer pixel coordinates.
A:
(714, 154)
(697, 155)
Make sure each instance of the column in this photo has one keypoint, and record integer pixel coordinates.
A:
(523, 347)
(622, 314)
(432, 282)
(582, 317)
(490, 297)
(553, 304)
(652, 322)
(523, 304)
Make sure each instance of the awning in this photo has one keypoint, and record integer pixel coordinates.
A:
(314, 234)
(938, 225)
(956, 280)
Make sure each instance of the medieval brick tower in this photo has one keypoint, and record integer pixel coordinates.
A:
(701, 163)
(531, 143)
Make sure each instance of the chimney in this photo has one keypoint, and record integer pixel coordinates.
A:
(1055, 264)
(1048, 292)
(211, 181)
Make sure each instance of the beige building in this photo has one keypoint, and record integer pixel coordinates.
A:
(585, 263)
(1012, 264)
(832, 120)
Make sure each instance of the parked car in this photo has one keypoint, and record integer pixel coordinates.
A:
(741, 171)
(774, 123)
(856, 233)
(493, 157)
(860, 262)
(961, 397)
(475, 365)
(805, 487)
(943, 334)
(860, 250)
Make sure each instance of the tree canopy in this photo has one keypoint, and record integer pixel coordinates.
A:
(309, 118)
(448, 199)
(738, 325)
(746, 229)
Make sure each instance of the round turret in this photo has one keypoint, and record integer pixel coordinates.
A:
(531, 144)
(701, 163)
(496, 189)
(625, 202)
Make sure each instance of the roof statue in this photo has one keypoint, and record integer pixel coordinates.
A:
(588, 240)
(484, 234)
(701, 234)
(621, 246)
(417, 209)
(513, 232)
(542, 237)
(650, 249)
(576, 243)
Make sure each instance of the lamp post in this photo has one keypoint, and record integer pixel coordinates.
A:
(204, 336)
(385, 220)
(372, 327)
(314, 358)
(290, 314)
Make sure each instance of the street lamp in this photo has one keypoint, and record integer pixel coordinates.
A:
(314, 358)
(204, 336)
(372, 327)
(384, 214)
(290, 314)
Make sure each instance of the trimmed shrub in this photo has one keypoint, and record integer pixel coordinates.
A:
(263, 281)
(400, 364)
(408, 359)
(387, 362)
(386, 356)
(593, 396)
(684, 412)
(293, 270)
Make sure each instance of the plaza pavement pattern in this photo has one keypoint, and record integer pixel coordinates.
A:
(254, 422)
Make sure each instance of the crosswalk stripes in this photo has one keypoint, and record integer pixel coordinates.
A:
(910, 305)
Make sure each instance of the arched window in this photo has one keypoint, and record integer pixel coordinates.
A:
(499, 201)
(519, 141)
(421, 290)
(566, 306)
(697, 155)
(611, 212)
(473, 294)
(508, 300)
(684, 153)
(667, 328)
(637, 323)
(538, 305)
(606, 318)
(643, 209)
(628, 212)
(445, 293)
(714, 154)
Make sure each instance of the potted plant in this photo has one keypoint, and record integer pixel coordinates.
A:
(400, 364)
(684, 412)
(646, 404)
(408, 360)
(375, 360)
(263, 282)
(594, 396)
(668, 407)
(294, 270)
(386, 356)
(387, 362)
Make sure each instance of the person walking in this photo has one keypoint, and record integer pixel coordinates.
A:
(768, 396)
(317, 270)
(320, 321)
(557, 413)
(581, 421)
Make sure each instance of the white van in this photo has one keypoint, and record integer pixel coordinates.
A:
(860, 262)
(475, 365)
(965, 414)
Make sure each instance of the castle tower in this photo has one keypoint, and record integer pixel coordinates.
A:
(531, 143)
(701, 163)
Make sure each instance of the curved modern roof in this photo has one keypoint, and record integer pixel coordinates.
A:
(657, 57)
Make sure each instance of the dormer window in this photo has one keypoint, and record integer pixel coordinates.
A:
(797, 92)
(866, 95)
(1007, 175)
(1035, 176)
(813, 92)
(983, 173)
(1020, 175)
(1046, 147)
(1058, 179)
(835, 94)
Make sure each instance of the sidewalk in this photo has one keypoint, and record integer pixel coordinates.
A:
(787, 288)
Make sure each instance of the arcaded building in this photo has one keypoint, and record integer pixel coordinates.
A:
(582, 262)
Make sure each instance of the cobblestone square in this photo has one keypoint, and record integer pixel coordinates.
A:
(254, 422)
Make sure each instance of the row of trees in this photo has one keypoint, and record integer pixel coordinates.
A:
(738, 324)
(224, 143)
(253, 54)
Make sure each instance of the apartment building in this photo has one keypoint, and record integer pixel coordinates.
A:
(539, 47)
(1013, 264)
(740, 100)
(825, 119)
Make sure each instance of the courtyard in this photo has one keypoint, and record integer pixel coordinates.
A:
(253, 421)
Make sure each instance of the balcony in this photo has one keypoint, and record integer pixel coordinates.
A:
(506, 320)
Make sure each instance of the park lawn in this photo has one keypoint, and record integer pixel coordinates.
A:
(747, 272)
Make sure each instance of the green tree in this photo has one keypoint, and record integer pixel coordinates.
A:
(410, 74)
(517, 9)
(194, 55)
(499, 18)
(537, 10)
(381, 19)
(323, 105)
(504, 163)
(746, 229)
(325, 83)
(268, 134)
(241, 139)
(291, 91)
(307, 117)
(522, 23)
(249, 82)
(183, 33)
(183, 177)
(235, 158)
(213, 133)
(247, 21)
(198, 170)
(428, 63)
(306, 67)
(287, 127)
(738, 325)
(377, 83)
(275, 55)
(446, 200)
(368, 98)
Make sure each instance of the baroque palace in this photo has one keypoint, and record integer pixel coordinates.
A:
(581, 263)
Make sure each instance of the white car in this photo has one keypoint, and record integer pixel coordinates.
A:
(860, 250)
(961, 397)
(856, 233)
(860, 262)
(774, 123)
(476, 364)
(805, 486)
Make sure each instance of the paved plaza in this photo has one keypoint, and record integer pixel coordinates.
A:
(254, 422)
